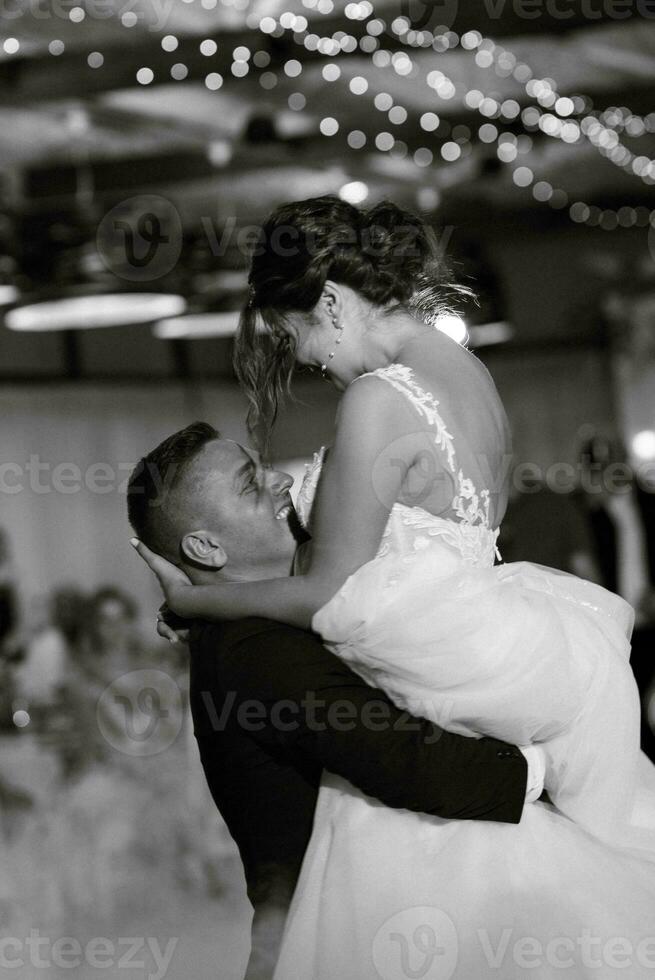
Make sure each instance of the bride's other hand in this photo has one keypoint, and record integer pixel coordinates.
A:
(171, 627)
(175, 584)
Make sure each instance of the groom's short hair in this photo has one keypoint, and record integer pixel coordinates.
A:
(154, 478)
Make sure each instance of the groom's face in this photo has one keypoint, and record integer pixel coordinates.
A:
(246, 505)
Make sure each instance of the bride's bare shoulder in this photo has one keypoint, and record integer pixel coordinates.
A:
(459, 380)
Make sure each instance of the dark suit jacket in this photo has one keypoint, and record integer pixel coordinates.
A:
(272, 708)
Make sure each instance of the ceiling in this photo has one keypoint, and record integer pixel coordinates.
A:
(484, 116)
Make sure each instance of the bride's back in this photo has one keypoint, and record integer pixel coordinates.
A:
(477, 438)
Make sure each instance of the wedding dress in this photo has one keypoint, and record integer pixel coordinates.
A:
(519, 652)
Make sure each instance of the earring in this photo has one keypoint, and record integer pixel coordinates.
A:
(339, 328)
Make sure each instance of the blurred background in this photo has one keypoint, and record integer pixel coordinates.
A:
(141, 144)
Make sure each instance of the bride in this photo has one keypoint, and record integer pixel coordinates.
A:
(402, 584)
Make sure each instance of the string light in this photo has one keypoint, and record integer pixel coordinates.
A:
(356, 139)
(609, 219)
(268, 80)
(556, 122)
(451, 151)
(597, 128)
(331, 72)
(297, 101)
(429, 121)
(213, 81)
(397, 115)
(358, 85)
(643, 444)
(423, 157)
(522, 176)
(354, 192)
(543, 90)
(292, 68)
(329, 126)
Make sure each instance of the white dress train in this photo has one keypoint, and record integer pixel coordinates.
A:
(519, 652)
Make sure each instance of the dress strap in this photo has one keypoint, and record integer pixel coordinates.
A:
(402, 379)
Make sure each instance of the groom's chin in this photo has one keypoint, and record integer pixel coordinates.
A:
(298, 532)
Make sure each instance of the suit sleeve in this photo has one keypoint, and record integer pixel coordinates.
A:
(315, 705)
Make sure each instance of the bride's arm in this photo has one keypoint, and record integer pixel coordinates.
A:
(373, 449)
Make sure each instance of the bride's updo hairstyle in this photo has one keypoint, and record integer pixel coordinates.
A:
(386, 254)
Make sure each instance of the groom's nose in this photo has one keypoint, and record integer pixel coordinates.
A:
(279, 482)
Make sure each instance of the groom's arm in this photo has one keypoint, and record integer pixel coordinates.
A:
(311, 702)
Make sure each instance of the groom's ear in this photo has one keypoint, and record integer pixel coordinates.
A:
(203, 548)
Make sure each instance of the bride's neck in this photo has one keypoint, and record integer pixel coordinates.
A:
(385, 339)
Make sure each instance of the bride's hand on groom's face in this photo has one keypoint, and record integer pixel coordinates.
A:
(173, 581)
(171, 627)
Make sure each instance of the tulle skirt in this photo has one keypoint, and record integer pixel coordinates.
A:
(528, 655)
(392, 894)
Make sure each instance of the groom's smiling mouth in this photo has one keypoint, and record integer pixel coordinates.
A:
(285, 511)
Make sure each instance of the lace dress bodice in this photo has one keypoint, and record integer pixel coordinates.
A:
(410, 530)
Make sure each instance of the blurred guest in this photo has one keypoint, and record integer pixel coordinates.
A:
(621, 514)
(548, 528)
(50, 638)
(8, 601)
(110, 628)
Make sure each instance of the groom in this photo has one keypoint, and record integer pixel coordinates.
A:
(271, 706)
